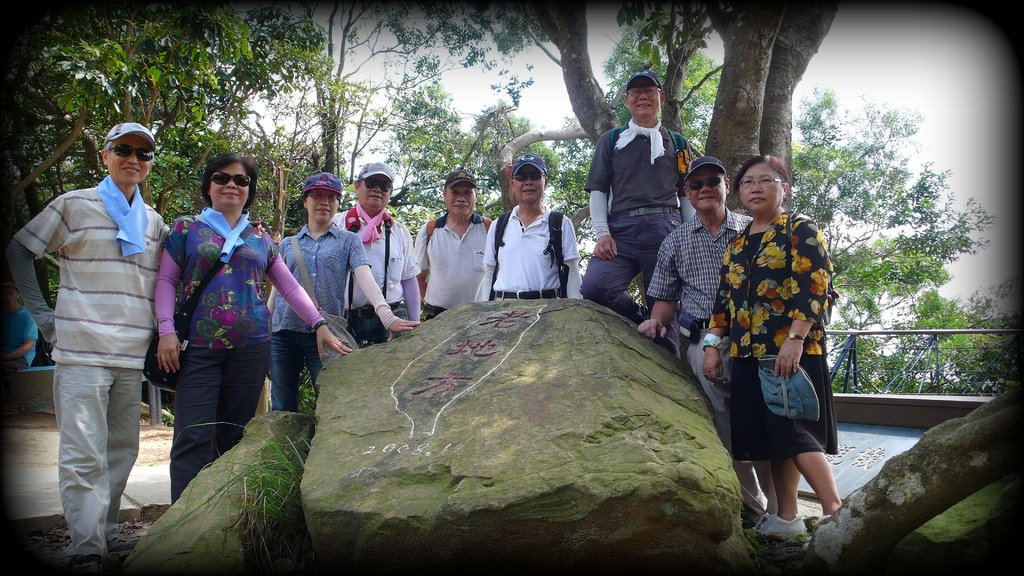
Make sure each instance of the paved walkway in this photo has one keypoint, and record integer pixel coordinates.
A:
(31, 501)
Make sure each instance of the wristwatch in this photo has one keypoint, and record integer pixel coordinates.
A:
(713, 341)
(794, 336)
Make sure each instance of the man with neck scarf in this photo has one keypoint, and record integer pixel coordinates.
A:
(634, 185)
(109, 241)
(389, 250)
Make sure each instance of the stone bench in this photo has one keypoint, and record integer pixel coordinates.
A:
(31, 390)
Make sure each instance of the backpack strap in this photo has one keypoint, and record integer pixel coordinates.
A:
(440, 222)
(555, 250)
(499, 241)
(613, 139)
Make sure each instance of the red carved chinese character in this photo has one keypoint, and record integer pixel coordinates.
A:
(447, 384)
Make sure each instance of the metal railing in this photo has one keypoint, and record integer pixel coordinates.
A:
(968, 362)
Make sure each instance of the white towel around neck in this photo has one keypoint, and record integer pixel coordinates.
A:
(654, 134)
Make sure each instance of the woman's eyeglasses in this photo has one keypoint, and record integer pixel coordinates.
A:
(125, 150)
(762, 181)
(698, 184)
(222, 178)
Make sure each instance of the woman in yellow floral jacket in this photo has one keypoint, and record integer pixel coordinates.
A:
(766, 307)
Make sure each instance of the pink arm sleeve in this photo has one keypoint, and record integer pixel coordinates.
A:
(281, 277)
(411, 293)
(166, 290)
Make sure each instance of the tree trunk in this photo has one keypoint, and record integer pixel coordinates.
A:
(951, 461)
(748, 33)
(565, 24)
(803, 29)
(686, 37)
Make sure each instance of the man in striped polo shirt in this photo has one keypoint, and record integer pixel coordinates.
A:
(687, 273)
(109, 243)
(450, 249)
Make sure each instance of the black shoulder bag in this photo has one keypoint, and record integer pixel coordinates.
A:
(156, 375)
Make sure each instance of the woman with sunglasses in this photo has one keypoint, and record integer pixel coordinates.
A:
(227, 355)
(771, 297)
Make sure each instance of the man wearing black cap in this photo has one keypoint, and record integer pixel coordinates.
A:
(450, 249)
(110, 243)
(687, 274)
(634, 199)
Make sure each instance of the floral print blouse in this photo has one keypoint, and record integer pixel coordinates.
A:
(232, 311)
(758, 297)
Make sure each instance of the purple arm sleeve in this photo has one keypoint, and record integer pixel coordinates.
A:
(411, 292)
(166, 289)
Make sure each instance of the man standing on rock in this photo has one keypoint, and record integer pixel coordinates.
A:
(109, 242)
(634, 184)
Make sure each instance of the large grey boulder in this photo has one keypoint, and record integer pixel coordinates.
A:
(519, 434)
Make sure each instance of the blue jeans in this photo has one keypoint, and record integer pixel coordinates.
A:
(290, 352)
(370, 330)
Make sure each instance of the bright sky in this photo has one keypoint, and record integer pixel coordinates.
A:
(950, 64)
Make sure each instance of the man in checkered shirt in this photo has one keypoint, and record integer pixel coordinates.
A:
(687, 275)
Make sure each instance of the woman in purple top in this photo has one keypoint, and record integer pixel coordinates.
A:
(222, 370)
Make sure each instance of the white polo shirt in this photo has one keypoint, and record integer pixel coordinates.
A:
(523, 265)
(456, 263)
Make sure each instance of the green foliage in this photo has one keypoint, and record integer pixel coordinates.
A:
(890, 231)
(273, 524)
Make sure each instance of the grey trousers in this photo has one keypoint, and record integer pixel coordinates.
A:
(98, 416)
(755, 478)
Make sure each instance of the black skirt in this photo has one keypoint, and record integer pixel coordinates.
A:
(757, 434)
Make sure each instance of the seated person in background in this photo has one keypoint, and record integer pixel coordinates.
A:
(20, 331)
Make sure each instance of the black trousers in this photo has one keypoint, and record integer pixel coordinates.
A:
(217, 395)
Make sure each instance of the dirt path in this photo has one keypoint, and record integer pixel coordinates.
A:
(30, 439)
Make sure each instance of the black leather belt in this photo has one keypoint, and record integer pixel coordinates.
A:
(651, 210)
(368, 311)
(702, 324)
(526, 294)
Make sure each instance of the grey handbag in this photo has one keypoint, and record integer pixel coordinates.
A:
(337, 324)
(792, 397)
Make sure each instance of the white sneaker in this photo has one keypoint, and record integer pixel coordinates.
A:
(764, 519)
(778, 529)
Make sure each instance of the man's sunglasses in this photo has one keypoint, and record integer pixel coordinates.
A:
(125, 150)
(524, 176)
(222, 178)
(698, 184)
(382, 185)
